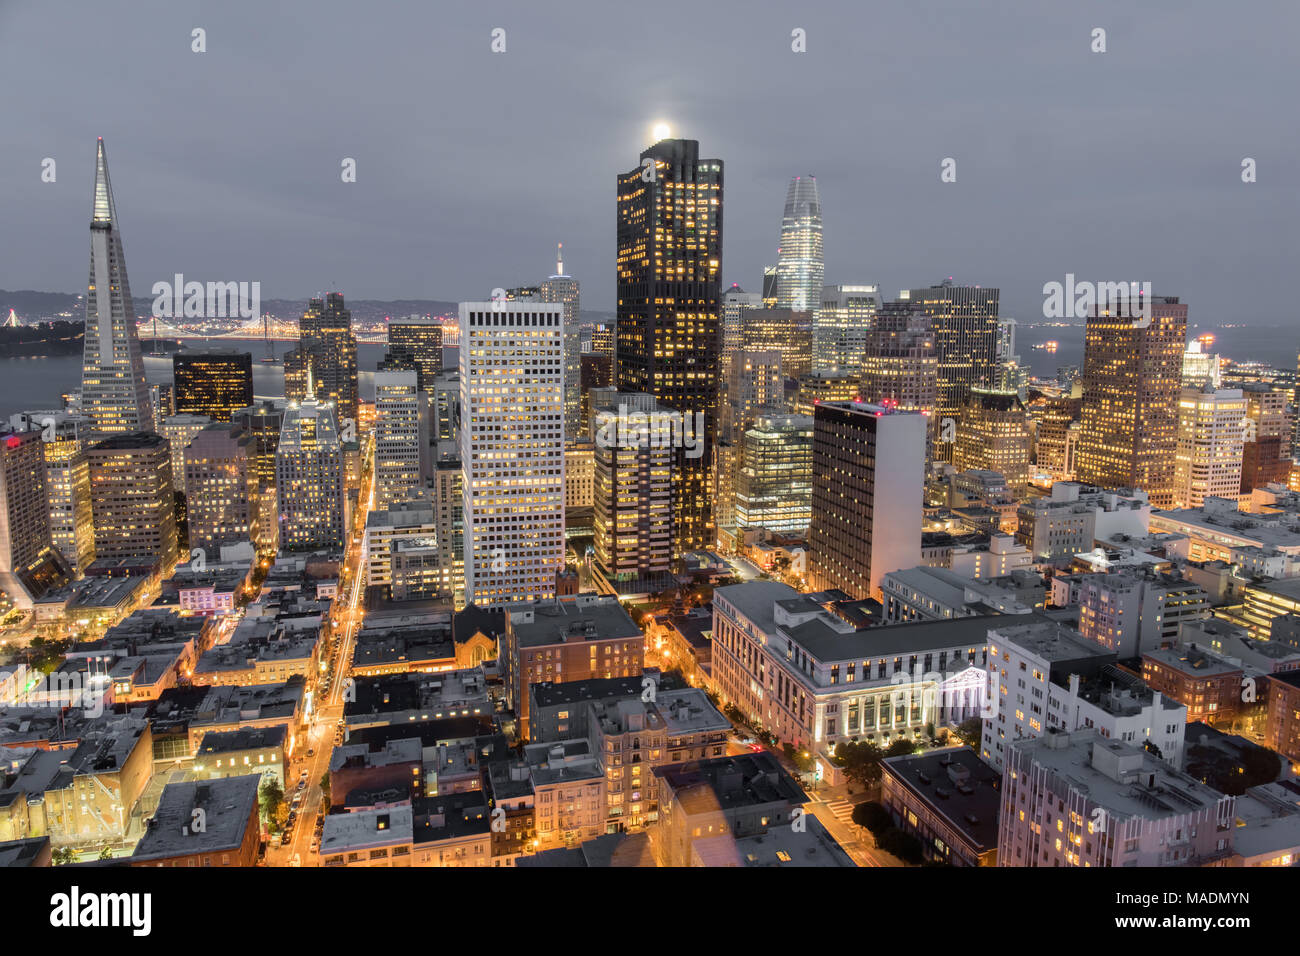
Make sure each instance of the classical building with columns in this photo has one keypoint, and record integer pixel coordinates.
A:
(799, 670)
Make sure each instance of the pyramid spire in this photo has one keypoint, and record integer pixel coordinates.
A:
(559, 258)
(114, 391)
(105, 210)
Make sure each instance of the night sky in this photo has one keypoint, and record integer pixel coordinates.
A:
(471, 165)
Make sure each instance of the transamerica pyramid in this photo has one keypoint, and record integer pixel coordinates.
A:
(114, 392)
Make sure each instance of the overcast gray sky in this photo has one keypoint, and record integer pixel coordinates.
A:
(1116, 166)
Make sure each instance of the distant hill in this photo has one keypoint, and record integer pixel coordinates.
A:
(47, 306)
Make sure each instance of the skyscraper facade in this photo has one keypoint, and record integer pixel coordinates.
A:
(114, 393)
(800, 267)
(309, 476)
(1132, 380)
(868, 467)
(632, 487)
(561, 289)
(213, 383)
(512, 449)
(133, 500)
(841, 326)
(414, 343)
(900, 366)
(327, 346)
(264, 421)
(774, 474)
(29, 563)
(67, 482)
(994, 436)
(1212, 428)
(964, 325)
(401, 437)
(784, 330)
(221, 489)
(669, 332)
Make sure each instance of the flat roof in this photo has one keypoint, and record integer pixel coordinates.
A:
(228, 805)
(956, 785)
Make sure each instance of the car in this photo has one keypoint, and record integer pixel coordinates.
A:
(311, 753)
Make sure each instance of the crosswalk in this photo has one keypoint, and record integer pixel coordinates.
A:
(842, 810)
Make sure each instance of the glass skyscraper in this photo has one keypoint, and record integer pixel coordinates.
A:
(669, 307)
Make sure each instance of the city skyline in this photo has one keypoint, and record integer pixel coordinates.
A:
(1032, 201)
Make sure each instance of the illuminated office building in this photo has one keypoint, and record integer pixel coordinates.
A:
(30, 565)
(773, 487)
(414, 344)
(1266, 455)
(825, 386)
(993, 435)
(512, 449)
(564, 290)
(1212, 426)
(179, 430)
(132, 498)
(1132, 381)
(67, 482)
(632, 506)
(800, 266)
(212, 383)
(1200, 368)
(222, 502)
(114, 392)
(868, 468)
(754, 382)
(309, 476)
(669, 332)
(328, 348)
(780, 330)
(264, 421)
(735, 302)
(900, 366)
(401, 437)
(964, 326)
(841, 327)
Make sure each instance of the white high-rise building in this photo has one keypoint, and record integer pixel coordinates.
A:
(565, 290)
(512, 449)
(1212, 430)
(114, 393)
(401, 437)
(800, 267)
(840, 329)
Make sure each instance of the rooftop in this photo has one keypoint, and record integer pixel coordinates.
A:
(229, 805)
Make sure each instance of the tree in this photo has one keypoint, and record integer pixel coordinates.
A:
(1151, 748)
(902, 845)
(860, 761)
(802, 762)
(969, 732)
(873, 816)
(274, 812)
(106, 854)
(901, 747)
(62, 855)
(325, 789)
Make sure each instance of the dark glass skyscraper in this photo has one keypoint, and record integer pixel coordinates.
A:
(213, 383)
(414, 344)
(669, 332)
(326, 342)
(964, 320)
